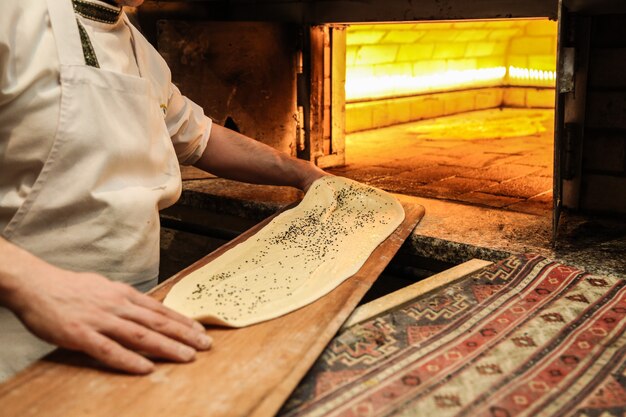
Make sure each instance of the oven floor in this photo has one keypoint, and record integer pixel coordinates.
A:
(498, 158)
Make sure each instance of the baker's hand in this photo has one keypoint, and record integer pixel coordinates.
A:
(109, 321)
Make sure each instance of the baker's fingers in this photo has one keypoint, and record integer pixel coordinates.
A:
(149, 302)
(112, 354)
(167, 326)
(142, 339)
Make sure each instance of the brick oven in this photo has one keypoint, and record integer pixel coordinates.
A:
(315, 78)
(467, 108)
(398, 73)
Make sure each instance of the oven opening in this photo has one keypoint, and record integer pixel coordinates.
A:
(459, 111)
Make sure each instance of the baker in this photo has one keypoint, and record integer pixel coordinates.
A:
(92, 133)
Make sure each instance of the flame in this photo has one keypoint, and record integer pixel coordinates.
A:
(386, 86)
(362, 87)
(529, 74)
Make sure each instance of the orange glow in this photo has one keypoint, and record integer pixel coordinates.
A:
(529, 75)
(386, 61)
(399, 73)
(371, 87)
(384, 86)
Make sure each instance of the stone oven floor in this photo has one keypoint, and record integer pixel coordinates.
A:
(499, 158)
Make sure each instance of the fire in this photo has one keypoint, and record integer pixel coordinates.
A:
(372, 87)
(360, 88)
(386, 61)
(403, 72)
(532, 75)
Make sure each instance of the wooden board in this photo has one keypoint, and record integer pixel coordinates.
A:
(407, 294)
(248, 372)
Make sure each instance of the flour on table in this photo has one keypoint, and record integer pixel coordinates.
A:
(300, 256)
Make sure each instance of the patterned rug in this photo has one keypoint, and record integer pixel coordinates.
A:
(524, 337)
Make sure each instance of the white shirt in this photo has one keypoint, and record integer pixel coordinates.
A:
(30, 96)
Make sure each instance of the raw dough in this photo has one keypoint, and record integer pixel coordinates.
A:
(301, 255)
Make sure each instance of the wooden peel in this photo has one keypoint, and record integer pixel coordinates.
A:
(249, 372)
(408, 294)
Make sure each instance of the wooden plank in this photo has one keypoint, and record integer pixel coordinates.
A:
(248, 372)
(404, 295)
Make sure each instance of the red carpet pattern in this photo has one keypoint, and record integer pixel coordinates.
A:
(524, 337)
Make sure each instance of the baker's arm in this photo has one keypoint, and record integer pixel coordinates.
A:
(231, 155)
(86, 312)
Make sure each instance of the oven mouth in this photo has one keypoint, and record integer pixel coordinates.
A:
(460, 111)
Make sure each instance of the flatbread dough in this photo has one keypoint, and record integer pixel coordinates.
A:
(300, 256)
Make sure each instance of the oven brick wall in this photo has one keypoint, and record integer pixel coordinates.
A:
(426, 48)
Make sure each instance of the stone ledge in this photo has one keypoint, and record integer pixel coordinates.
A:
(449, 232)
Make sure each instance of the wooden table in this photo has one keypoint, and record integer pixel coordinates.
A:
(248, 372)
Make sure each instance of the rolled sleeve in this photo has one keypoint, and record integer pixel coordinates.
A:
(188, 127)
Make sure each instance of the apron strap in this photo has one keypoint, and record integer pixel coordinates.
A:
(88, 52)
(66, 33)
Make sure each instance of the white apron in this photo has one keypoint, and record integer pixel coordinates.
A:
(94, 206)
